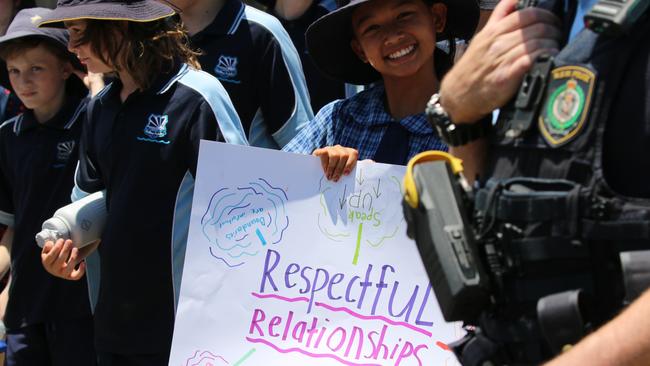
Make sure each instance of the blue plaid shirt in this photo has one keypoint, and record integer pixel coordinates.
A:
(359, 122)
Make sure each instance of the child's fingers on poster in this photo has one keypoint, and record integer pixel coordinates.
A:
(352, 161)
(332, 164)
(324, 159)
(329, 159)
(337, 160)
(340, 167)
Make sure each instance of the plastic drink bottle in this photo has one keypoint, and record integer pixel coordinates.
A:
(81, 221)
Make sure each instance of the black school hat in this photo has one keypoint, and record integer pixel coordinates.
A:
(129, 10)
(25, 24)
(328, 39)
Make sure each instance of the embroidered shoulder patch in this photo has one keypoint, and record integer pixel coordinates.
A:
(566, 104)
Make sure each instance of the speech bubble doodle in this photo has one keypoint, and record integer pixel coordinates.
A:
(205, 358)
(356, 212)
(242, 220)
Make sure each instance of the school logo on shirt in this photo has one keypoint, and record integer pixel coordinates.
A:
(226, 69)
(64, 150)
(566, 105)
(156, 129)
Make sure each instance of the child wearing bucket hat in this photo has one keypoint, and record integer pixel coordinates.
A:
(391, 43)
(48, 319)
(140, 144)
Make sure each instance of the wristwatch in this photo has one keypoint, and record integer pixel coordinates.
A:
(455, 134)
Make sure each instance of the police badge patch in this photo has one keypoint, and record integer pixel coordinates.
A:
(566, 104)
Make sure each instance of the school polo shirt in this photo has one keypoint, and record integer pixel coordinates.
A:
(37, 165)
(322, 89)
(144, 153)
(252, 55)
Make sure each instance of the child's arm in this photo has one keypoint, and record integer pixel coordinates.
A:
(63, 260)
(337, 160)
(93, 81)
(318, 138)
(5, 250)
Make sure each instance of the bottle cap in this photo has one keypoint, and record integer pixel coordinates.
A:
(53, 229)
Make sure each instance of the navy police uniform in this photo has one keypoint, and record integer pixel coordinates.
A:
(253, 57)
(144, 152)
(565, 210)
(48, 319)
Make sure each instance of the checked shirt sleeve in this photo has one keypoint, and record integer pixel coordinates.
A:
(316, 134)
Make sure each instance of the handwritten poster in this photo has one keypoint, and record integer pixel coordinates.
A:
(284, 267)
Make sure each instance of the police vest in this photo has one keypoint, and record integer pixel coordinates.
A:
(546, 205)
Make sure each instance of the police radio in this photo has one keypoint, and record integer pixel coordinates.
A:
(615, 16)
(518, 116)
(437, 220)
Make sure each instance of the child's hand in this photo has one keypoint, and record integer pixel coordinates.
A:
(337, 160)
(63, 260)
(93, 81)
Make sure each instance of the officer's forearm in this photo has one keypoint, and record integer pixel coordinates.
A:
(625, 341)
(473, 156)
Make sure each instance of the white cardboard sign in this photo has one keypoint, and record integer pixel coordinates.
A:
(284, 267)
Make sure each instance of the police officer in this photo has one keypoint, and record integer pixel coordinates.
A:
(589, 135)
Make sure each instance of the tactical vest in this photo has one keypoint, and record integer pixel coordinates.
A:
(554, 230)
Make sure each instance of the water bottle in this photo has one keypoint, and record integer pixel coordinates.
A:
(81, 221)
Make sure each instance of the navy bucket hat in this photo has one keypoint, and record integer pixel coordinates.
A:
(25, 24)
(328, 39)
(129, 10)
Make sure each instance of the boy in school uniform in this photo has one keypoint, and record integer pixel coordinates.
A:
(391, 43)
(48, 319)
(140, 143)
(252, 55)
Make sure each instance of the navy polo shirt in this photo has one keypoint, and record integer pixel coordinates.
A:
(252, 55)
(37, 165)
(627, 135)
(144, 153)
(322, 89)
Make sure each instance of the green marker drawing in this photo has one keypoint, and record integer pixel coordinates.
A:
(247, 355)
(356, 251)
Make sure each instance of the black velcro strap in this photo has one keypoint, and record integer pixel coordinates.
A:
(615, 230)
(547, 248)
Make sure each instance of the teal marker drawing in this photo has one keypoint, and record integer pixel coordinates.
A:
(259, 235)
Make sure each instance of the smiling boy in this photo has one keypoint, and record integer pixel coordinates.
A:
(391, 43)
